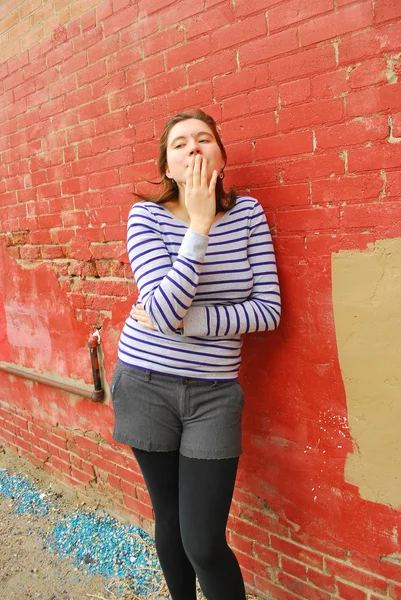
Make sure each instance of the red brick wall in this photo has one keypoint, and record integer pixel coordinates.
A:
(309, 101)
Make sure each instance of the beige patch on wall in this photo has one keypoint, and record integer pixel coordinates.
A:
(367, 314)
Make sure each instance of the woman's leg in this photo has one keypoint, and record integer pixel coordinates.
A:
(160, 471)
(206, 488)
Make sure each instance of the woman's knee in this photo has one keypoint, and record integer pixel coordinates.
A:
(205, 554)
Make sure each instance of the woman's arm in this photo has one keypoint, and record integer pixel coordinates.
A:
(165, 290)
(262, 310)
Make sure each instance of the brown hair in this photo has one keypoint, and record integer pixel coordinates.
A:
(169, 191)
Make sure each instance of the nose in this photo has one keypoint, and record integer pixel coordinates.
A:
(194, 148)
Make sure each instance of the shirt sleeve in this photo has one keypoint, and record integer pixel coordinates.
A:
(262, 310)
(166, 290)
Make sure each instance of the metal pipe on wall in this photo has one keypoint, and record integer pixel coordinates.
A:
(96, 395)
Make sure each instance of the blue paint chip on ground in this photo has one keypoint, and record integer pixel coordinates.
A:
(91, 539)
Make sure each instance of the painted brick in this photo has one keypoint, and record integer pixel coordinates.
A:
(333, 25)
(263, 49)
(307, 62)
(374, 157)
(294, 550)
(314, 113)
(221, 63)
(329, 85)
(288, 13)
(163, 41)
(162, 84)
(308, 220)
(301, 588)
(373, 100)
(249, 127)
(352, 133)
(294, 568)
(344, 189)
(284, 145)
(316, 167)
(321, 580)
(188, 52)
(118, 21)
(208, 21)
(295, 91)
(282, 195)
(386, 10)
(370, 73)
(355, 48)
(198, 95)
(349, 592)
(237, 33)
(349, 573)
(243, 81)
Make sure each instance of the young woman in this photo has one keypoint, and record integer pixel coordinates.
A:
(204, 265)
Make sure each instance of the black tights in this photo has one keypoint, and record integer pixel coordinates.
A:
(191, 499)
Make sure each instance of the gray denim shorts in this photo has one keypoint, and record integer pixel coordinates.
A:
(160, 413)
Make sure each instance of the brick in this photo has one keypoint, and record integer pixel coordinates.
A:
(124, 58)
(73, 64)
(238, 542)
(352, 133)
(249, 127)
(86, 443)
(294, 92)
(282, 195)
(252, 564)
(139, 30)
(243, 81)
(288, 13)
(120, 20)
(369, 73)
(181, 11)
(111, 122)
(374, 157)
(329, 85)
(333, 25)
(103, 180)
(395, 591)
(376, 42)
(236, 33)
(187, 53)
(128, 96)
(266, 587)
(293, 550)
(321, 580)
(197, 95)
(308, 220)
(208, 21)
(60, 464)
(316, 166)
(49, 190)
(393, 187)
(248, 530)
(163, 41)
(218, 64)
(284, 145)
(349, 592)
(91, 73)
(265, 554)
(139, 507)
(263, 49)
(82, 477)
(94, 109)
(319, 112)
(373, 100)
(302, 589)
(146, 69)
(350, 573)
(294, 568)
(386, 10)
(162, 84)
(307, 62)
(345, 189)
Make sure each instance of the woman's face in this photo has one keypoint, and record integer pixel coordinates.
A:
(189, 138)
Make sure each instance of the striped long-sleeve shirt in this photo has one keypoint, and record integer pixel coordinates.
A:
(218, 286)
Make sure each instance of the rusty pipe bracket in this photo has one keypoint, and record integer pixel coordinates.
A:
(93, 343)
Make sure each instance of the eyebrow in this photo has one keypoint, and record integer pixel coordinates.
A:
(197, 134)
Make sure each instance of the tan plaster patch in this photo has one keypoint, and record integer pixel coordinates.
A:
(367, 313)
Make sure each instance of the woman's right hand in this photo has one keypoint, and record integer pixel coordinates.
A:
(200, 198)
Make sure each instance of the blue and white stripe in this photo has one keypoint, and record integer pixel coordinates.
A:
(218, 286)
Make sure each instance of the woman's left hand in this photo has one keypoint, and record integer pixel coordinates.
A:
(138, 314)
